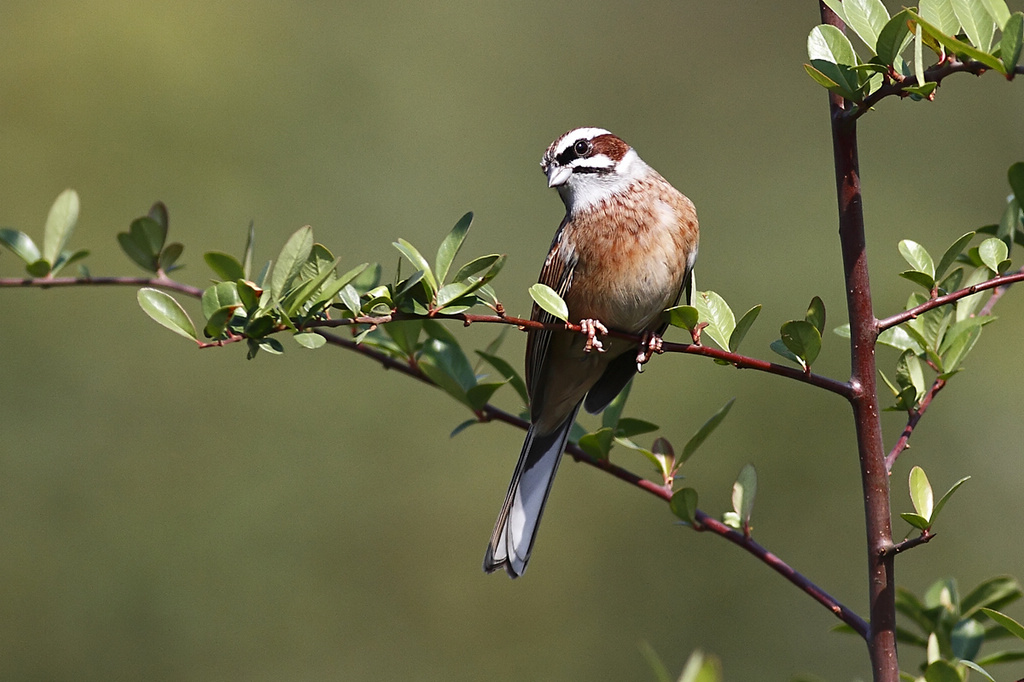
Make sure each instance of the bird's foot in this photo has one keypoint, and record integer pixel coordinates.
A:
(591, 328)
(650, 344)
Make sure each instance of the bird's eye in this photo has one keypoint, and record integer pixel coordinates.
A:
(582, 148)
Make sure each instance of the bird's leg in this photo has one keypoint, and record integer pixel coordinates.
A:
(650, 344)
(591, 328)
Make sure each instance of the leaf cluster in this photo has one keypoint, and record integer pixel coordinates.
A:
(961, 29)
(952, 629)
(53, 257)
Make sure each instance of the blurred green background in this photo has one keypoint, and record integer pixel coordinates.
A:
(171, 514)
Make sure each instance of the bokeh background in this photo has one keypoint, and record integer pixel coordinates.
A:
(169, 514)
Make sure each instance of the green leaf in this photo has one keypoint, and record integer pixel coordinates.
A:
(779, 347)
(220, 295)
(335, 286)
(744, 490)
(704, 431)
(941, 671)
(20, 244)
(60, 223)
(1012, 626)
(954, 250)
(450, 246)
(169, 255)
(627, 427)
(418, 262)
(1010, 44)
(993, 254)
(684, 505)
(919, 56)
(40, 268)
(838, 7)
(249, 294)
(921, 91)
(67, 258)
(998, 10)
(476, 265)
(258, 327)
(684, 316)
(598, 443)
(966, 307)
(945, 498)
(962, 344)
(915, 520)
(548, 299)
(137, 253)
(920, 278)
(611, 415)
(893, 38)
(716, 312)
(290, 261)
(225, 266)
(149, 235)
(837, 78)
(867, 18)
(508, 372)
(250, 244)
(158, 214)
(271, 345)
(803, 339)
(977, 668)
(921, 492)
(977, 23)
(991, 593)
(742, 327)
(918, 257)
(909, 373)
(449, 359)
(829, 44)
(959, 47)
(816, 314)
(940, 14)
(167, 312)
(481, 393)
(217, 322)
(966, 638)
(897, 337)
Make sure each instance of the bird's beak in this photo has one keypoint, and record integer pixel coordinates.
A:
(558, 175)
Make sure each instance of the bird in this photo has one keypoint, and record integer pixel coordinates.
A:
(624, 252)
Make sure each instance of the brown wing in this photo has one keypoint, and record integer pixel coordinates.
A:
(557, 273)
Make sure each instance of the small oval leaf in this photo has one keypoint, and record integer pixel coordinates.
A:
(167, 312)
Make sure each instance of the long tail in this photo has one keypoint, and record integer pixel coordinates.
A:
(514, 533)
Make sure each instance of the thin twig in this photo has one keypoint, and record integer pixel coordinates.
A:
(735, 359)
(491, 413)
(1001, 282)
(925, 536)
(934, 74)
(782, 568)
(157, 282)
(912, 420)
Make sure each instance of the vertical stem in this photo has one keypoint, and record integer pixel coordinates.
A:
(863, 334)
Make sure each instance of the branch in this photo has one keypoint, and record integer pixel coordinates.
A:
(491, 413)
(881, 634)
(734, 359)
(925, 536)
(782, 568)
(934, 74)
(908, 430)
(1002, 282)
(160, 282)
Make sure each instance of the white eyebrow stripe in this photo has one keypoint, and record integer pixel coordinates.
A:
(574, 136)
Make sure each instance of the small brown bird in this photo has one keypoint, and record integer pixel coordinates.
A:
(623, 253)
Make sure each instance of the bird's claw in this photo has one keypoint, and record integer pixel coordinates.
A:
(650, 344)
(591, 328)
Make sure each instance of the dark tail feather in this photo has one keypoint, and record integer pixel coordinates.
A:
(516, 529)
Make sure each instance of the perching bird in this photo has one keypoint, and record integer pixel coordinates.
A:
(623, 253)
